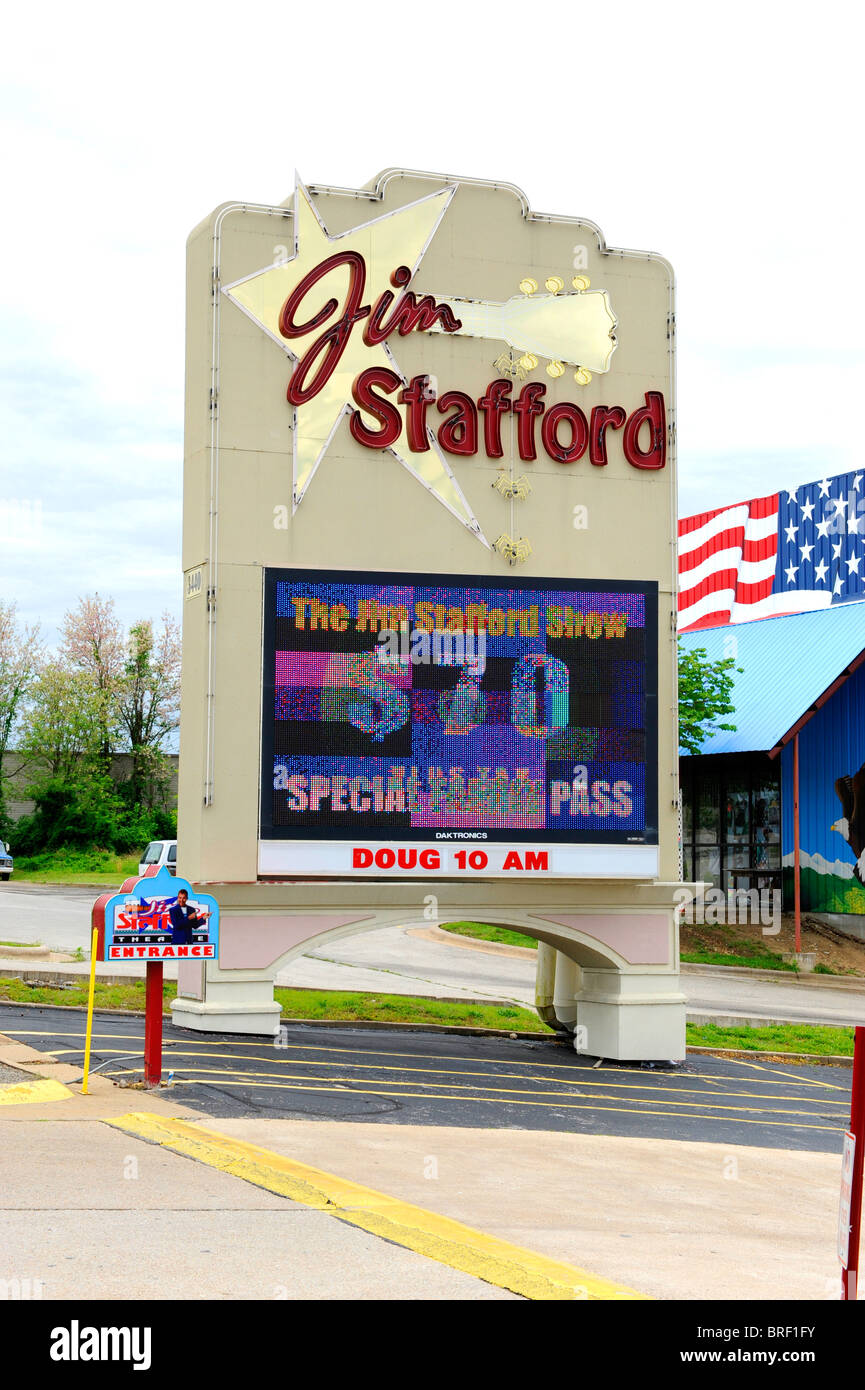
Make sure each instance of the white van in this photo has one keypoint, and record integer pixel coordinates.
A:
(162, 853)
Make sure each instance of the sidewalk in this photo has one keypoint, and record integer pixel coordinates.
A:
(120, 1218)
(93, 1210)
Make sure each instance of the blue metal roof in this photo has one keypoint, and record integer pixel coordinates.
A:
(787, 663)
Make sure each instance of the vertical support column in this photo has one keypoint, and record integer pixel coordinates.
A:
(153, 1024)
(797, 882)
(567, 987)
(545, 985)
(850, 1272)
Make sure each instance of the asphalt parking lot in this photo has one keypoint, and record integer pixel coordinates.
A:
(447, 1079)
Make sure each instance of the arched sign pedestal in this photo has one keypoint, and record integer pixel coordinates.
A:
(626, 998)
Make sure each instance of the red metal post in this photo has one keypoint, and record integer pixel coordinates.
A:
(153, 1024)
(850, 1276)
(797, 886)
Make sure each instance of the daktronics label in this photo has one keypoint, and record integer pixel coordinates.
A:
(419, 725)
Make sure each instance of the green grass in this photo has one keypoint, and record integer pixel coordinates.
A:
(783, 1037)
(20, 943)
(299, 1004)
(751, 957)
(484, 932)
(394, 1008)
(335, 1005)
(125, 996)
(98, 867)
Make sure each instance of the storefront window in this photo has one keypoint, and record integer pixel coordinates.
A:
(766, 826)
(731, 821)
(707, 865)
(708, 798)
(738, 857)
(738, 812)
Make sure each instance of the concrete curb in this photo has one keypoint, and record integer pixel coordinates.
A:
(59, 978)
(722, 1020)
(449, 938)
(59, 974)
(27, 952)
(40, 1091)
(368, 1023)
(744, 1054)
(854, 983)
(719, 1020)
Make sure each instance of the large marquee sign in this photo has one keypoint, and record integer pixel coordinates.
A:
(423, 726)
(429, 543)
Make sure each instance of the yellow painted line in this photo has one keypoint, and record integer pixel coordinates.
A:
(737, 1118)
(608, 1067)
(33, 1092)
(439, 1238)
(552, 1098)
(761, 1066)
(580, 1079)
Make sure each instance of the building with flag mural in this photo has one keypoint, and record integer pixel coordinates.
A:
(791, 552)
(773, 583)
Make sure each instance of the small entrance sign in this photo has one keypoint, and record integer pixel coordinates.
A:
(161, 918)
(153, 919)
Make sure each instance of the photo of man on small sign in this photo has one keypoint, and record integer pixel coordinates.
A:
(185, 918)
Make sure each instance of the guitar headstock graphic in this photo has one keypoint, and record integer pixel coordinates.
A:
(573, 328)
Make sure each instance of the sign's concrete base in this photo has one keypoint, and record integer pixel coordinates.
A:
(228, 1013)
(610, 975)
(631, 1017)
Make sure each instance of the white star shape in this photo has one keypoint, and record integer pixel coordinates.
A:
(837, 586)
(820, 572)
(791, 497)
(790, 531)
(803, 549)
(823, 527)
(791, 573)
(856, 481)
(853, 522)
(824, 488)
(840, 505)
(853, 564)
(807, 510)
(396, 238)
(836, 551)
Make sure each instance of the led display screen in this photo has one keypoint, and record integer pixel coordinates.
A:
(407, 708)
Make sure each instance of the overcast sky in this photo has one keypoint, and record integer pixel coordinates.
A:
(728, 138)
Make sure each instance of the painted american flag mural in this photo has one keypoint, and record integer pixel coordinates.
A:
(789, 552)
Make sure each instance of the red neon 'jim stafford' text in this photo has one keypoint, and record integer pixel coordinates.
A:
(566, 433)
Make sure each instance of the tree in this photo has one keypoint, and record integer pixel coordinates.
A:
(93, 645)
(148, 703)
(64, 726)
(705, 694)
(20, 651)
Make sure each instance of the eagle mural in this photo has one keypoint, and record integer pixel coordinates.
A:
(851, 793)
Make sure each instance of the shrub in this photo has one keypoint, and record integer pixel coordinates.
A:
(88, 815)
